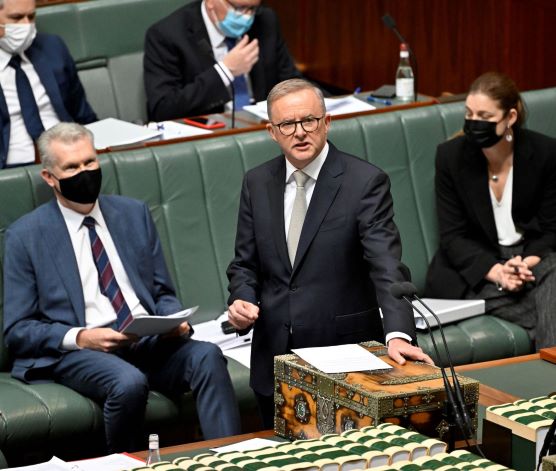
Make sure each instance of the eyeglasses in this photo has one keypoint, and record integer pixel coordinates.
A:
(243, 10)
(310, 124)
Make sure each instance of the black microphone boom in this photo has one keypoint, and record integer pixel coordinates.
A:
(454, 396)
(207, 49)
(390, 23)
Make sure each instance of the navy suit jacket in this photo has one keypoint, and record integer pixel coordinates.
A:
(347, 258)
(180, 78)
(55, 67)
(468, 236)
(43, 296)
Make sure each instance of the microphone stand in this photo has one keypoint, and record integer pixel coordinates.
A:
(391, 25)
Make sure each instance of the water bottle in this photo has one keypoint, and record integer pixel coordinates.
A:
(404, 76)
(154, 450)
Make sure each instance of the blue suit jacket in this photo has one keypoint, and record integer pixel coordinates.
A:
(55, 67)
(43, 296)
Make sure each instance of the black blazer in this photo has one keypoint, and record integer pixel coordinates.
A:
(180, 78)
(348, 256)
(468, 237)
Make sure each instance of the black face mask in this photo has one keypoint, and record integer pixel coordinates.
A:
(83, 187)
(481, 133)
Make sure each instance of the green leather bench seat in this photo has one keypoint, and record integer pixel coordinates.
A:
(106, 39)
(192, 189)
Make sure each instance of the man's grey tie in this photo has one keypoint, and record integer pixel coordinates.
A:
(298, 213)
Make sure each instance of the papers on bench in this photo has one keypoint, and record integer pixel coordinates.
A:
(341, 358)
(334, 106)
(211, 331)
(114, 462)
(174, 130)
(112, 132)
(448, 310)
(153, 325)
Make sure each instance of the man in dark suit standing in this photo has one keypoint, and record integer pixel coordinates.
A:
(39, 86)
(193, 55)
(316, 248)
(78, 268)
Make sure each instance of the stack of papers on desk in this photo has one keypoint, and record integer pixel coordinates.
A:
(112, 132)
(114, 462)
(174, 130)
(447, 310)
(334, 106)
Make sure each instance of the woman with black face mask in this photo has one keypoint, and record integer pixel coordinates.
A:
(496, 204)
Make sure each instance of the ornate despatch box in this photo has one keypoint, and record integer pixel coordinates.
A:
(310, 403)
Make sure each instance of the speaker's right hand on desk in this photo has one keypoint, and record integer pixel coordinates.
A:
(242, 314)
(241, 59)
(104, 339)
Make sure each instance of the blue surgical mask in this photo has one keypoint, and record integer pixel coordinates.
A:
(235, 25)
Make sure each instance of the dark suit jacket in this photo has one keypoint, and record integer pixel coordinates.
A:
(56, 69)
(43, 296)
(348, 256)
(179, 73)
(468, 236)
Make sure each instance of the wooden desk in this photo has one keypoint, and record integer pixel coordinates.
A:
(247, 122)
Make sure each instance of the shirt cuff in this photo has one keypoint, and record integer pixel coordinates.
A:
(225, 74)
(69, 342)
(397, 335)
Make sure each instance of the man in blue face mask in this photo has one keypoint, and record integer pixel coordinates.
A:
(196, 56)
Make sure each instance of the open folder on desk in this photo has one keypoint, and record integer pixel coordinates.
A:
(447, 310)
(153, 325)
(334, 106)
(112, 132)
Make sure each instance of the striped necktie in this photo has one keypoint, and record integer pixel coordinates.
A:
(107, 281)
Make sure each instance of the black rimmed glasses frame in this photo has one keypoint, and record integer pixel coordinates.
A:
(309, 124)
(242, 10)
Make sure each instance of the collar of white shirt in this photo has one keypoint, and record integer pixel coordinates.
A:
(74, 220)
(5, 58)
(215, 35)
(312, 169)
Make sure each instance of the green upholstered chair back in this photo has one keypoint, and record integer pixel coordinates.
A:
(193, 188)
(106, 39)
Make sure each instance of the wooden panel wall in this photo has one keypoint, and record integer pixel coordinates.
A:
(345, 43)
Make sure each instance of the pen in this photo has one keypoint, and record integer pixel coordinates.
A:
(379, 100)
(357, 90)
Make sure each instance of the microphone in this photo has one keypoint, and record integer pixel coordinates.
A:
(390, 23)
(207, 49)
(408, 291)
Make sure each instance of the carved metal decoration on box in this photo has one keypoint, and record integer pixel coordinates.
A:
(309, 403)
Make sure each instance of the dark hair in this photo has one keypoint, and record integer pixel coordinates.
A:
(502, 89)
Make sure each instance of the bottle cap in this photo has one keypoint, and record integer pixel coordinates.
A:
(403, 47)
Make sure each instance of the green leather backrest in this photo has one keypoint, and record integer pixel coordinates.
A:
(193, 188)
(106, 39)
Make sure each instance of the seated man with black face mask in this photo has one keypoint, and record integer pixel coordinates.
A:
(39, 85)
(76, 269)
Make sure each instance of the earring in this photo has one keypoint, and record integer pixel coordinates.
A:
(509, 136)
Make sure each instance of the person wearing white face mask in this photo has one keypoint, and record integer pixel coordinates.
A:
(38, 83)
(193, 55)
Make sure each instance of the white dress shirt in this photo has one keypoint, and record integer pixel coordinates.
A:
(505, 226)
(98, 309)
(22, 149)
(313, 170)
(220, 50)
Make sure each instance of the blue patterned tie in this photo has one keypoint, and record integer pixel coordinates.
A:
(241, 97)
(29, 108)
(106, 279)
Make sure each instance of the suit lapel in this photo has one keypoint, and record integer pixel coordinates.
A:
(44, 70)
(524, 173)
(257, 74)
(474, 175)
(197, 32)
(276, 188)
(57, 239)
(327, 186)
(120, 234)
(5, 123)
